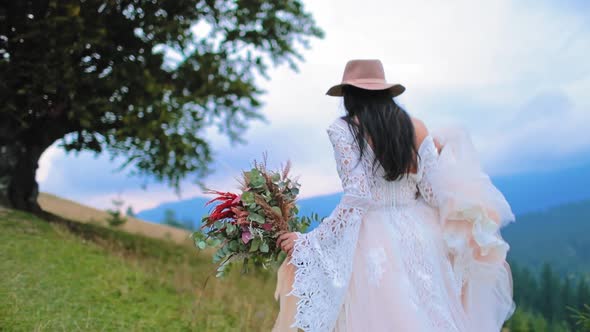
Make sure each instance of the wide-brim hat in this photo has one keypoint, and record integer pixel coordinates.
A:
(368, 75)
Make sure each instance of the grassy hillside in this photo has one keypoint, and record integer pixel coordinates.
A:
(559, 236)
(71, 276)
(85, 214)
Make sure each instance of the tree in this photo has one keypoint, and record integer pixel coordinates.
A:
(130, 212)
(171, 220)
(548, 293)
(526, 289)
(582, 294)
(93, 75)
(567, 299)
(116, 218)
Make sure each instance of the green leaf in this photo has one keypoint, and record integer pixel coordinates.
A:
(233, 245)
(275, 177)
(255, 217)
(230, 228)
(277, 210)
(217, 256)
(202, 245)
(247, 197)
(214, 242)
(256, 179)
(264, 247)
(254, 245)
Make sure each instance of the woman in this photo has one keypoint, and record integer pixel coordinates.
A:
(414, 244)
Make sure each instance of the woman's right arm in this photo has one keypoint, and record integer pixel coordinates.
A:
(323, 257)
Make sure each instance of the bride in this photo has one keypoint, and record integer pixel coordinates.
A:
(414, 244)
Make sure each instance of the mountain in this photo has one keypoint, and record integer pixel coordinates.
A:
(536, 191)
(526, 192)
(188, 209)
(558, 235)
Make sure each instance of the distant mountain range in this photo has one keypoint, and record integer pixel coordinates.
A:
(530, 192)
(559, 236)
(526, 193)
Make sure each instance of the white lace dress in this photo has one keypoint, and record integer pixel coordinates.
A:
(422, 253)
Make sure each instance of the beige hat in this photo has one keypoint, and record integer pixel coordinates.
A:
(365, 74)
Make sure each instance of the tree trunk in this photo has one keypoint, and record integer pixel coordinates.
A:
(22, 141)
(18, 165)
(20, 150)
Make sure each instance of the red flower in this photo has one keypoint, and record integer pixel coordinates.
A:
(221, 196)
(223, 210)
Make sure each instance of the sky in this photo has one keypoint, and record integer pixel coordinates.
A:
(515, 74)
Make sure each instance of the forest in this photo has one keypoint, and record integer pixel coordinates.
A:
(549, 302)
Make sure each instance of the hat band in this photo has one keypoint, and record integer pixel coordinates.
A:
(364, 80)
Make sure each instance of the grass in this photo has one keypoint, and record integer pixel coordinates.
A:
(67, 276)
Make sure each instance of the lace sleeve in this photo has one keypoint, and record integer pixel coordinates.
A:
(323, 258)
(428, 157)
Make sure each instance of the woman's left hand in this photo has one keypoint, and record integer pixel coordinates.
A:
(287, 242)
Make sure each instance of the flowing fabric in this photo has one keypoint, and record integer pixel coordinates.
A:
(422, 253)
(472, 212)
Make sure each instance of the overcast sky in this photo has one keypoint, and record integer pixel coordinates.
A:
(516, 74)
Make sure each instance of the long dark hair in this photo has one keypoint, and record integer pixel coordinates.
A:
(386, 125)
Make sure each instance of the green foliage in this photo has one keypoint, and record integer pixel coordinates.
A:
(130, 212)
(582, 317)
(525, 321)
(91, 278)
(116, 218)
(519, 322)
(96, 74)
(546, 302)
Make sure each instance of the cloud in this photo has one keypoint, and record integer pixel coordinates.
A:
(514, 73)
(547, 133)
(47, 163)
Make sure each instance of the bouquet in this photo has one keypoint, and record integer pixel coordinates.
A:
(244, 227)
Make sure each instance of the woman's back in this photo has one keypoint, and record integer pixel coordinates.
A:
(399, 192)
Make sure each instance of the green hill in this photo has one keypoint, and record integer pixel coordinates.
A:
(559, 236)
(65, 276)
